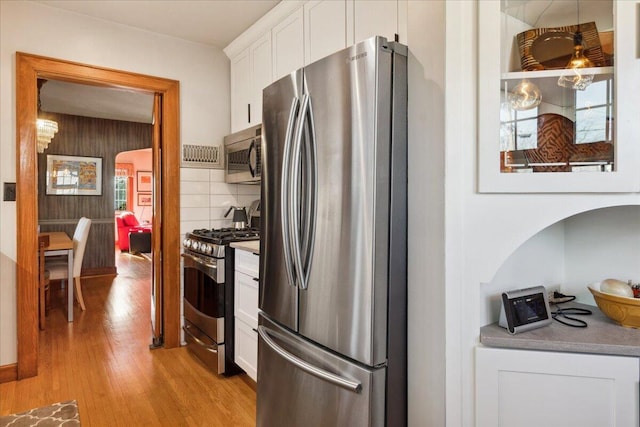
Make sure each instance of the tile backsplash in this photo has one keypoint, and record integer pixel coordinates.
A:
(205, 198)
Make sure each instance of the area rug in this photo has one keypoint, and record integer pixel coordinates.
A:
(59, 414)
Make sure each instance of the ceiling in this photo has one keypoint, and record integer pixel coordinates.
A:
(213, 22)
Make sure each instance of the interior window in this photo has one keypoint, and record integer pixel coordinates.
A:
(120, 193)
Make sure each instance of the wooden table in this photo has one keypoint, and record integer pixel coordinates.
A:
(61, 244)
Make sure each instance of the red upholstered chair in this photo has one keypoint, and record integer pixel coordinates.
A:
(128, 223)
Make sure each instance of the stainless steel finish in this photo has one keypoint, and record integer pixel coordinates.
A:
(212, 267)
(293, 194)
(285, 189)
(212, 326)
(239, 217)
(254, 214)
(277, 296)
(290, 395)
(242, 156)
(206, 350)
(324, 375)
(343, 180)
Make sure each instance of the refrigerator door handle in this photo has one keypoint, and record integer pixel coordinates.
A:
(311, 192)
(294, 208)
(330, 377)
(285, 190)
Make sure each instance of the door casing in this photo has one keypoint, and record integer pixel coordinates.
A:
(166, 246)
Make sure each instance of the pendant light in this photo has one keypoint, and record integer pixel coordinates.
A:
(574, 77)
(45, 129)
(525, 96)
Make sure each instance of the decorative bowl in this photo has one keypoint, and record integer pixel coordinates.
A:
(551, 48)
(622, 310)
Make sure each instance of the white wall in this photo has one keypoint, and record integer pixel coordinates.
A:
(425, 263)
(601, 244)
(481, 230)
(34, 28)
(538, 261)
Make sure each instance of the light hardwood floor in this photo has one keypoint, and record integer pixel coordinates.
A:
(102, 360)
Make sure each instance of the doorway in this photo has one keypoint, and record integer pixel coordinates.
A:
(166, 153)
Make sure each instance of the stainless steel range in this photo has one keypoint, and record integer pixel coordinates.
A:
(208, 295)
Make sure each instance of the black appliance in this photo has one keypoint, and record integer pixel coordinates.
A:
(208, 295)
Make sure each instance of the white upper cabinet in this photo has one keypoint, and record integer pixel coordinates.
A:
(375, 18)
(296, 33)
(544, 127)
(261, 75)
(288, 45)
(250, 73)
(325, 28)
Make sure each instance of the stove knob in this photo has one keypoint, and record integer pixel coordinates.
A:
(206, 248)
(186, 243)
(195, 246)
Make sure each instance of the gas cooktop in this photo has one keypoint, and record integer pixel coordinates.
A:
(223, 236)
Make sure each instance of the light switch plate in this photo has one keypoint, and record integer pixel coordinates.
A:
(9, 192)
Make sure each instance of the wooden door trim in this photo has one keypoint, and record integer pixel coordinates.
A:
(28, 69)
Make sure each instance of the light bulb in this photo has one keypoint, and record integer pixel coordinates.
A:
(525, 96)
(574, 78)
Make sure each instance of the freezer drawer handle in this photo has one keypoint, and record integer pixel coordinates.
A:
(198, 340)
(307, 367)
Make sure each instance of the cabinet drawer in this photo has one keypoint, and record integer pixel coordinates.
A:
(247, 262)
(246, 299)
(246, 348)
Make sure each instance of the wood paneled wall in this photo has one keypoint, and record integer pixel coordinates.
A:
(91, 137)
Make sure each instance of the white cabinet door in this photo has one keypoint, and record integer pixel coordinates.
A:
(535, 388)
(246, 351)
(246, 299)
(240, 90)
(287, 40)
(246, 311)
(325, 28)
(261, 75)
(375, 18)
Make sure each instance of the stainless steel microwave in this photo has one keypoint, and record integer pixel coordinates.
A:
(242, 156)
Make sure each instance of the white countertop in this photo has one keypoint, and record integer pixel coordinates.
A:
(249, 245)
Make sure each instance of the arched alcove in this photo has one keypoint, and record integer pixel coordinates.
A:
(570, 254)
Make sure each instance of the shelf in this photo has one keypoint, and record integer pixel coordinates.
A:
(519, 75)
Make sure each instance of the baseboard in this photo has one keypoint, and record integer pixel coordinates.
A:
(8, 373)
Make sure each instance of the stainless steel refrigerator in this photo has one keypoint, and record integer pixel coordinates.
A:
(332, 323)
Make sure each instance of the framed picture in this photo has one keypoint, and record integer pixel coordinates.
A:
(74, 176)
(145, 181)
(144, 199)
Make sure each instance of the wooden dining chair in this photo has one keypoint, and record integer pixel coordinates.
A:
(43, 282)
(59, 270)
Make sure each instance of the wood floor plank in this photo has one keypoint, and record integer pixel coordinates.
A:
(103, 361)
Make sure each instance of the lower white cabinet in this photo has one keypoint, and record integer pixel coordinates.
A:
(538, 388)
(246, 312)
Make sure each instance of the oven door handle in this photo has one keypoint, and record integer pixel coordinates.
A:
(198, 340)
(199, 261)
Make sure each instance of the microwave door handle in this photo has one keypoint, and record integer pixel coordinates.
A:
(294, 185)
(285, 192)
(252, 169)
